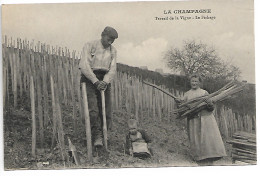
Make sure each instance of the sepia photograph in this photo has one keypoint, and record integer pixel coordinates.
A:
(128, 84)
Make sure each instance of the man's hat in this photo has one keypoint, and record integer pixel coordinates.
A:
(111, 32)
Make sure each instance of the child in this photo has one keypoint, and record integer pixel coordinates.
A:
(204, 136)
(137, 141)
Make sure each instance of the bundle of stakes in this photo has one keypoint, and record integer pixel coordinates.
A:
(193, 106)
(243, 147)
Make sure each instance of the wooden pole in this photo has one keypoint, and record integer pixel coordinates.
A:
(168, 109)
(60, 132)
(33, 118)
(116, 92)
(158, 102)
(150, 96)
(25, 68)
(15, 79)
(19, 71)
(7, 80)
(141, 97)
(53, 112)
(135, 96)
(10, 53)
(153, 105)
(225, 128)
(45, 91)
(72, 73)
(104, 118)
(87, 121)
(153, 85)
(119, 80)
(4, 86)
(144, 97)
(127, 104)
(40, 115)
(79, 96)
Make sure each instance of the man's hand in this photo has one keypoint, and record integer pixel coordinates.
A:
(101, 85)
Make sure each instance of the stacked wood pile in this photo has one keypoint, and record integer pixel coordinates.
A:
(244, 147)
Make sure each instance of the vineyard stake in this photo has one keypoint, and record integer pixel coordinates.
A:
(104, 118)
(33, 118)
(53, 112)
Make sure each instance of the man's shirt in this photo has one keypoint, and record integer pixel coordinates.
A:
(96, 57)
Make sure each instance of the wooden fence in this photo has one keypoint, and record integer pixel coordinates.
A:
(52, 74)
(137, 98)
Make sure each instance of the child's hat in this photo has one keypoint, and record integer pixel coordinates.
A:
(132, 123)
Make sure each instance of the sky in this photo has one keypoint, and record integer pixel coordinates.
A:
(142, 39)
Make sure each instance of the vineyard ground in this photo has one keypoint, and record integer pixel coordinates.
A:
(170, 143)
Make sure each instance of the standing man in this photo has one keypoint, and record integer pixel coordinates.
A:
(98, 67)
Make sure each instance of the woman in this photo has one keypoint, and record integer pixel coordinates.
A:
(204, 136)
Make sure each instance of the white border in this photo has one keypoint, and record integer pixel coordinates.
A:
(215, 170)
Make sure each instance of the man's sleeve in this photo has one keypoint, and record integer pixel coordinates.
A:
(112, 71)
(84, 64)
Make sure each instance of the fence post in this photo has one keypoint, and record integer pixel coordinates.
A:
(15, 79)
(33, 118)
(39, 103)
(54, 114)
(61, 132)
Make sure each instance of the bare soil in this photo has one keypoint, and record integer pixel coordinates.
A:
(170, 143)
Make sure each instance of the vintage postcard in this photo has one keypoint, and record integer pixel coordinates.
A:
(128, 84)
